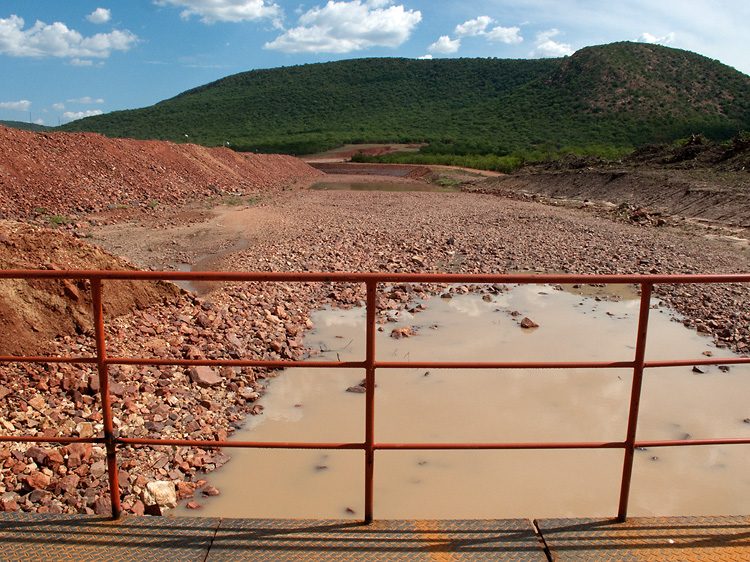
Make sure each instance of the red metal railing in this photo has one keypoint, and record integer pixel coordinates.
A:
(371, 365)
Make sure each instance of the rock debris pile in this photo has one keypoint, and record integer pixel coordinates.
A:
(196, 403)
(72, 173)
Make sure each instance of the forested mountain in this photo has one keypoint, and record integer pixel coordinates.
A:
(617, 95)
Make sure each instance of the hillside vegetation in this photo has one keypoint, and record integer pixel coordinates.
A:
(615, 96)
(25, 126)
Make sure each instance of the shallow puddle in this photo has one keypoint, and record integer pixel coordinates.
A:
(382, 186)
(416, 405)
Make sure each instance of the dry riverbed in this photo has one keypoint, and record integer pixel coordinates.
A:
(302, 230)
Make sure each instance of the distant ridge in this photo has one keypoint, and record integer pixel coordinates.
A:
(26, 126)
(621, 94)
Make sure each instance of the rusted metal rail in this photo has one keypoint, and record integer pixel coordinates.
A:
(370, 365)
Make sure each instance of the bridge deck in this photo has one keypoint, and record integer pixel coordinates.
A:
(61, 538)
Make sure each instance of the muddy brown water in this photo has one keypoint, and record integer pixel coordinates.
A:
(483, 406)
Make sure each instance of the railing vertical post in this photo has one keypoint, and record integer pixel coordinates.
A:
(370, 399)
(635, 400)
(101, 363)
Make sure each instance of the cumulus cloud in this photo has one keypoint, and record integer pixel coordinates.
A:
(73, 115)
(509, 35)
(481, 27)
(58, 106)
(22, 105)
(547, 48)
(56, 40)
(87, 100)
(425, 57)
(473, 27)
(648, 38)
(341, 27)
(212, 11)
(100, 15)
(445, 45)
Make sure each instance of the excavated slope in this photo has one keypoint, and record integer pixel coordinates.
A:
(61, 173)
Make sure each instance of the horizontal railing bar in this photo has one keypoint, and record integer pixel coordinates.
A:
(689, 442)
(381, 365)
(334, 364)
(467, 278)
(237, 444)
(696, 362)
(213, 444)
(559, 445)
(503, 365)
(497, 446)
(237, 363)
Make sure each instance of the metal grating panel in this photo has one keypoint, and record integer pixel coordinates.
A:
(61, 538)
(285, 540)
(79, 538)
(665, 539)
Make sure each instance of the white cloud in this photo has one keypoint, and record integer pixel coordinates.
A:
(473, 27)
(648, 38)
(22, 105)
(100, 15)
(547, 48)
(71, 116)
(212, 11)
(86, 100)
(56, 40)
(58, 106)
(39, 122)
(425, 57)
(509, 35)
(445, 45)
(544, 36)
(341, 27)
(480, 26)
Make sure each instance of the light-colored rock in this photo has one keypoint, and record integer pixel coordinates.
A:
(161, 493)
(98, 469)
(85, 430)
(205, 376)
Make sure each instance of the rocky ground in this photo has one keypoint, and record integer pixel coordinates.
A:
(284, 230)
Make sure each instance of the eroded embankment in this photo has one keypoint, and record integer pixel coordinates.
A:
(684, 193)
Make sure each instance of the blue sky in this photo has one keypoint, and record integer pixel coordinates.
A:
(64, 59)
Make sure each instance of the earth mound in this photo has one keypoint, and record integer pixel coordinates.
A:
(63, 173)
(35, 311)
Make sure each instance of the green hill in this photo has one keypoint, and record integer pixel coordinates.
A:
(26, 126)
(621, 95)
